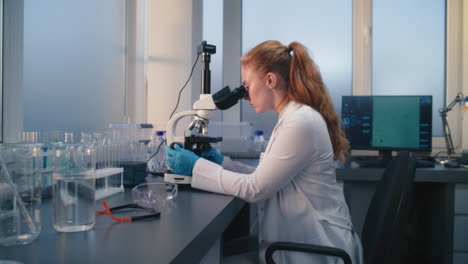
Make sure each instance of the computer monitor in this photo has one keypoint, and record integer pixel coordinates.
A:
(388, 123)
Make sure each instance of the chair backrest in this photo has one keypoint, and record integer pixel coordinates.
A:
(390, 203)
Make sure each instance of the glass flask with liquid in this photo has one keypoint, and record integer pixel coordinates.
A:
(74, 187)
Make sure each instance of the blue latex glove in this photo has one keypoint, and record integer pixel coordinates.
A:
(180, 160)
(213, 155)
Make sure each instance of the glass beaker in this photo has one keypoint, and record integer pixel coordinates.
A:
(74, 187)
(20, 193)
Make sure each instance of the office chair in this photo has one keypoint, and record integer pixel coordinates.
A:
(384, 218)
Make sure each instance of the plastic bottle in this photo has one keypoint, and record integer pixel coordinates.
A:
(156, 154)
(259, 141)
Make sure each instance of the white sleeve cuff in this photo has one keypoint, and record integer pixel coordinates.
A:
(227, 163)
(206, 175)
(236, 166)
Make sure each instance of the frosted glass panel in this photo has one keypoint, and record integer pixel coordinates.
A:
(74, 71)
(408, 53)
(324, 27)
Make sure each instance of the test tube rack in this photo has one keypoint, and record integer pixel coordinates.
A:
(109, 181)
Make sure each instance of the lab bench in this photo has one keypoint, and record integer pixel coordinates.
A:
(189, 232)
(437, 227)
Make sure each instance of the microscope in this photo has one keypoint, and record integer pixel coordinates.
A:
(203, 111)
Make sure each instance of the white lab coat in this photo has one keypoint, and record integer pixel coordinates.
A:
(294, 186)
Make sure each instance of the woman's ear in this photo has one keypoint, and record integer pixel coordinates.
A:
(271, 80)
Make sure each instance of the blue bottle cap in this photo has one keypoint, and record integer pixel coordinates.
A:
(160, 133)
(259, 132)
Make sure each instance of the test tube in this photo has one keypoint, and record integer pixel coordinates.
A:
(68, 137)
(114, 154)
(97, 140)
(111, 153)
(118, 153)
(27, 137)
(107, 149)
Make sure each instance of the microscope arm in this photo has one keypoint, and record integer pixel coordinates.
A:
(172, 125)
(201, 115)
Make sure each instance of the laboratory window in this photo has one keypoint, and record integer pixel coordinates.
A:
(408, 51)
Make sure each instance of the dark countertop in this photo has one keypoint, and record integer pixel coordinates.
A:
(181, 235)
(438, 174)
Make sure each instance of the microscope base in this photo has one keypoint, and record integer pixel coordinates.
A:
(176, 178)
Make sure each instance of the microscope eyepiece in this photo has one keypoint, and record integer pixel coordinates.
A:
(225, 98)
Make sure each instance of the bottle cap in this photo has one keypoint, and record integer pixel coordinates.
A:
(259, 132)
(160, 133)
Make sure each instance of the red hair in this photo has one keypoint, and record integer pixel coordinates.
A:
(305, 85)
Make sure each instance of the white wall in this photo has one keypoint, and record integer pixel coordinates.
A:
(174, 32)
(465, 73)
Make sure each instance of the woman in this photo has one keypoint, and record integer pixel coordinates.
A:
(294, 184)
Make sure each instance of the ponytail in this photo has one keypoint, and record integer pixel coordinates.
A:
(307, 87)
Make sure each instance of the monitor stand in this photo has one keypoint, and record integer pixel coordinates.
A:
(385, 156)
